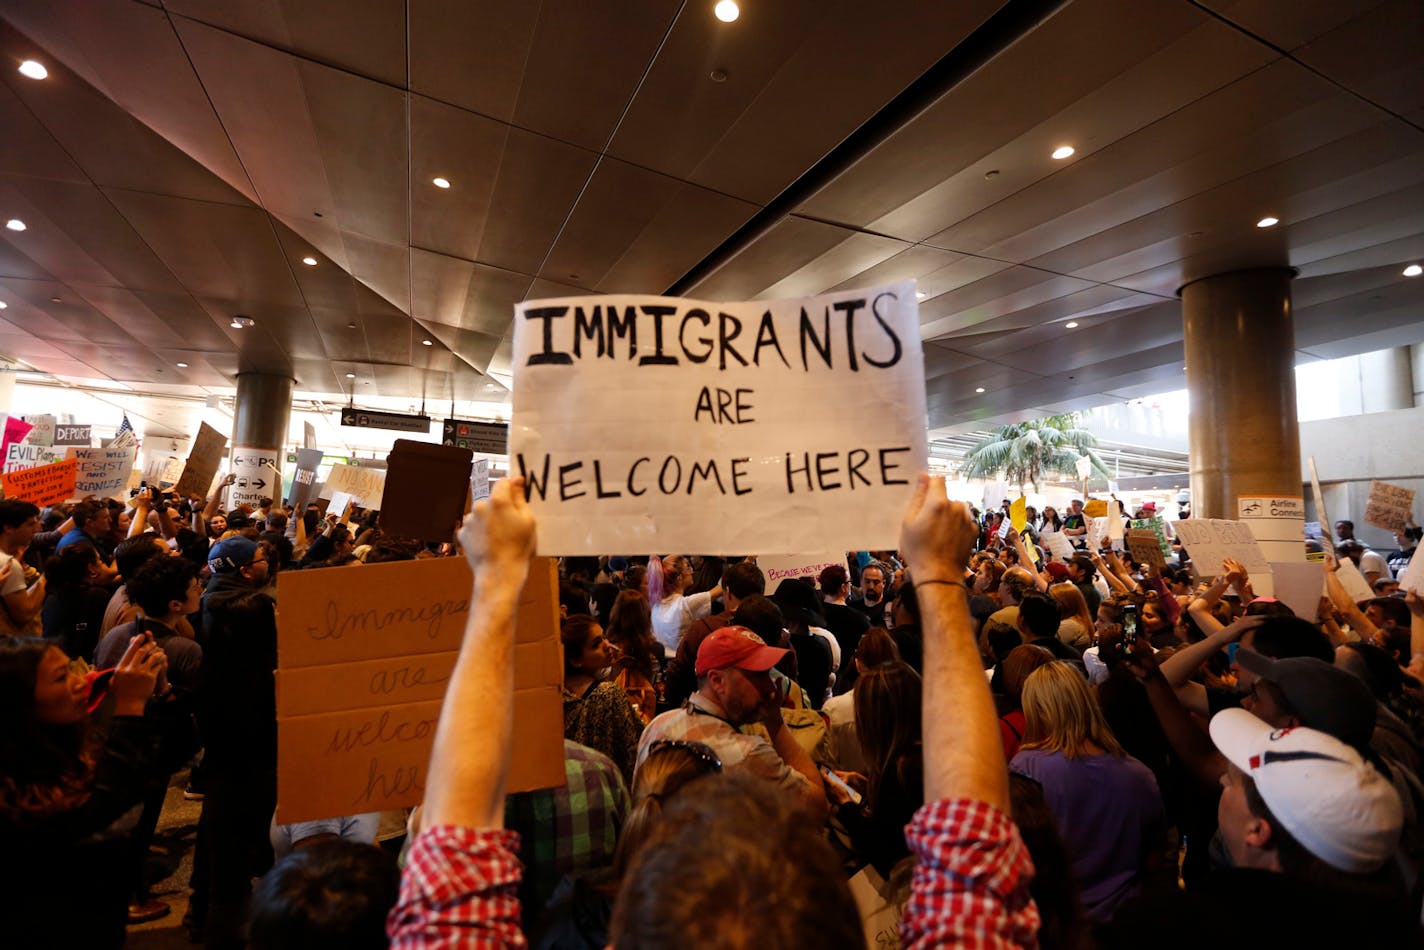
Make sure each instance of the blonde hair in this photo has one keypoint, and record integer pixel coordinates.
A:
(1062, 715)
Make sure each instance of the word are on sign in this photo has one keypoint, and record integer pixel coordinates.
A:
(777, 427)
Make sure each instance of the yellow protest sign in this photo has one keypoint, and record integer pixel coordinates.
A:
(1018, 514)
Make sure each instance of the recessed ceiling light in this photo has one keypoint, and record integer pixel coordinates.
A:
(440, 182)
(426, 343)
(1413, 270)
(15, 224)
(979, 389)
(1071, 324)
(1062, 152)
(350, 326)
(241, 322)
(309, 261)
(1268, 222)
(3, 305)
(350, 375)
(919, 295)
(33, 69)
(727, 10)
(182, 365)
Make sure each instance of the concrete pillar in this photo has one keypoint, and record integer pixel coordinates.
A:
(1243, 437)
(1386, 380)
(259, 430)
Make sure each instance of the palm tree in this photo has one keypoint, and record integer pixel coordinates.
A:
(1026, 451)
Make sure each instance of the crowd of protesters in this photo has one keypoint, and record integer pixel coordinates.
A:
(967, 738)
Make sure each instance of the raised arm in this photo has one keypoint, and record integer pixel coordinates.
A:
(460, 885)
(1348, 609)
(971, 879)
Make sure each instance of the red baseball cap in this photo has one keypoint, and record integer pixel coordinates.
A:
(1057, 570)
(738, 647)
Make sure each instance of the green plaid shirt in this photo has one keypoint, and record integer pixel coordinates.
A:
(568, 830)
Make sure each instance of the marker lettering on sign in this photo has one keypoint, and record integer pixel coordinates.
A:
(340, 623)
(669, 477)
(825, 339)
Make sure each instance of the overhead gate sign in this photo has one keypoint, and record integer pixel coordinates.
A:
(663, 424)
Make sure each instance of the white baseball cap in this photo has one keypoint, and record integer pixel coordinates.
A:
(1329, 798)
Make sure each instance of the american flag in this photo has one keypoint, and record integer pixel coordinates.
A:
(125, 436)
(124, 426)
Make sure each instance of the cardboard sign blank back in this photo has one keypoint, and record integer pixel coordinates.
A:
(426, 489)
(364, 654)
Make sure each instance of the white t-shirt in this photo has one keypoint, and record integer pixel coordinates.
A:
(675, 614)
(1371, 561)
(15, 583)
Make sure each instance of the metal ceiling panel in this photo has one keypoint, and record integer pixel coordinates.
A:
(362, 36)
(460, 293)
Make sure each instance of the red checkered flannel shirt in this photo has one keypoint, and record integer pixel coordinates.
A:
(460, 889)
(970, 887)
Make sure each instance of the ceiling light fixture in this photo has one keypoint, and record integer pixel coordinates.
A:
(1268, 222)
(33, 70)
(427, 343)
(1413, 270)
(1071, 324)
(440, 182)
(979, 389)
(350, 375)
(3, 305)
(182, 365)
(15, 224)
(919, 295)
(1062, 152)
(309, 261)
(240, 322)
(727, 10)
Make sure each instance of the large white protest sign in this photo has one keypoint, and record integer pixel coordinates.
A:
(651, 423)
(1413, 576)
(1210, 541)
(1356, 586)
(1058, 545)
(43, 431)
(20, 456)
(103, 472)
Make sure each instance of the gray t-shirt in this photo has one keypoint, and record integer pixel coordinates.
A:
(185, 657)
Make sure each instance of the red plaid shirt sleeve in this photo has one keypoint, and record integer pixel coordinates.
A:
(971, 880)
(460, 889)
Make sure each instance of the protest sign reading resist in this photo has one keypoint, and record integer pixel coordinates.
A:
(362, 668)
(777, 427)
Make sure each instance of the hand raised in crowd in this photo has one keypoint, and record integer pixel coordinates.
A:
(1235, 572)
(498, 534)
(1238, 628)
(936, 535)
(137, 674)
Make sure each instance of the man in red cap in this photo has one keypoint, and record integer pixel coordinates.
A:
(734, 689)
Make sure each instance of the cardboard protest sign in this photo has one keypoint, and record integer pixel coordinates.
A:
(257, 476)
(1389, 506)
(43, 484)
(203, 460)
(304, 481)
(43, 431)
(365, 485)
(20, 456)
(1115, 526)
(172, 471)
(363, 659)
(1210, 541)
(1278, 524)
(1158, 526)
(1327, 537)
(1018, 514)
(1298, 585)
(72, 435)
(102, 472)
(1143, 547)
(776, 426)
(1058, 545)
(426, 490)
(1353, 581)
(778, 568)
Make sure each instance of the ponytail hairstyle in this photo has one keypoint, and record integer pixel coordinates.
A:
(669, 766)
(655, 579)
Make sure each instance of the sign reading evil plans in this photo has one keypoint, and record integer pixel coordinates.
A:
(364, 655)
(776, 427)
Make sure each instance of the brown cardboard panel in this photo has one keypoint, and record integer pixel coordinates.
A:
(403, 608)
(311, 690)
(209, 447)
(363, 671)
(425, 492)
(374, 759)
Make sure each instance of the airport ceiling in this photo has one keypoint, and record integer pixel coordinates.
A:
(183, 157)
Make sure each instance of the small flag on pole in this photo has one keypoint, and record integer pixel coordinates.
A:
(125, 436)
